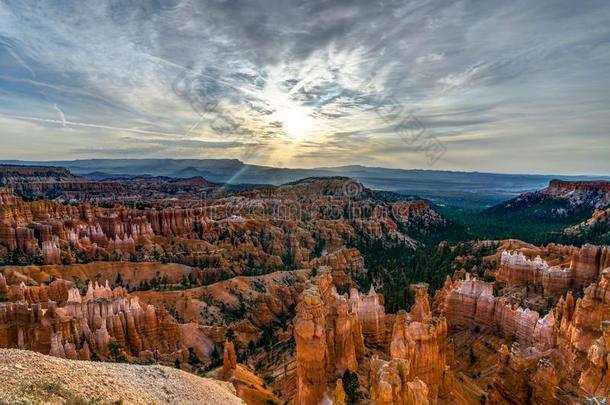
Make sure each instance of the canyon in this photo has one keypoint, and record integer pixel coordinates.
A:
(266, 291)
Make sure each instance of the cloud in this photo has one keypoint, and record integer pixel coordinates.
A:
(431, 57)
(308, 82)
(461, 78)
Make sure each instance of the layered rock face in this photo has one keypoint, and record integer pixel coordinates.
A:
(585, 266)
(416, 215)
(575, 196)
(595, 380)
(517, 269)
(329, 342)
(466, 303)
(349, 343)
(420, 312)
(57, 290)
(515, 375)
(567, 200)
(3, 285)
(7, 197)
(129, 274)
(544, 383)
(561, 186)
(470, 303)
(48, 231)
(261, 302)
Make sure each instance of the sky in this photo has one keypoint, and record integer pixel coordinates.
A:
(498, 86)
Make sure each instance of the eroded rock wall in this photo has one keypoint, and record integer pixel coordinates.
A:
(84, 327)
(582, 267)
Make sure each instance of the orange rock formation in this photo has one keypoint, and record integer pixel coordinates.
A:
(392, 383)
(85, 326)
(371, 314)
(229, 362)
(328, 339)
(421, 339)
(470, 303)
(583, 267)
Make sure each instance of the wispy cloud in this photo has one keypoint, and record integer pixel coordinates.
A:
(62, 117)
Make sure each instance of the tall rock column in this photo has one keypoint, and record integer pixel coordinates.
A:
(311, 350)
(544, 383)
(420, 312)
(422, 341)
(229, 360)
(345, 347)
(595, 308)
(339, 394)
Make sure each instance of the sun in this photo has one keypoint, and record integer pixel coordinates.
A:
(297, 122)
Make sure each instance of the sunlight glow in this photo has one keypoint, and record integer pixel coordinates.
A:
(296, 121)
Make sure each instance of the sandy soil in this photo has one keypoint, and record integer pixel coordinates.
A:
(31, 378)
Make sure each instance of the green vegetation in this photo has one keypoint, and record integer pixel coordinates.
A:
(117, 353)
(535, 224)
(597, 234)
(535, 218)
(215, 359)
(194, 360)
(19, 258)
(268, 379)
(392, 269)
(548, 306)
(351, 385)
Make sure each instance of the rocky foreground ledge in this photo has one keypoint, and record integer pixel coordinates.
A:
(29, 377)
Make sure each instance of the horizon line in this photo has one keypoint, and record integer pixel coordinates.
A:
(544, 174)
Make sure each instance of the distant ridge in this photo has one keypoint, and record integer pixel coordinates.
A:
(437, 185)
(192, 172)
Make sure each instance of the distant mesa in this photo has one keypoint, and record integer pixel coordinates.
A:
(561, 198)
(562, 185)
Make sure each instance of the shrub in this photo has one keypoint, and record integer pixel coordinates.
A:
(116, 351)
(351, 385)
